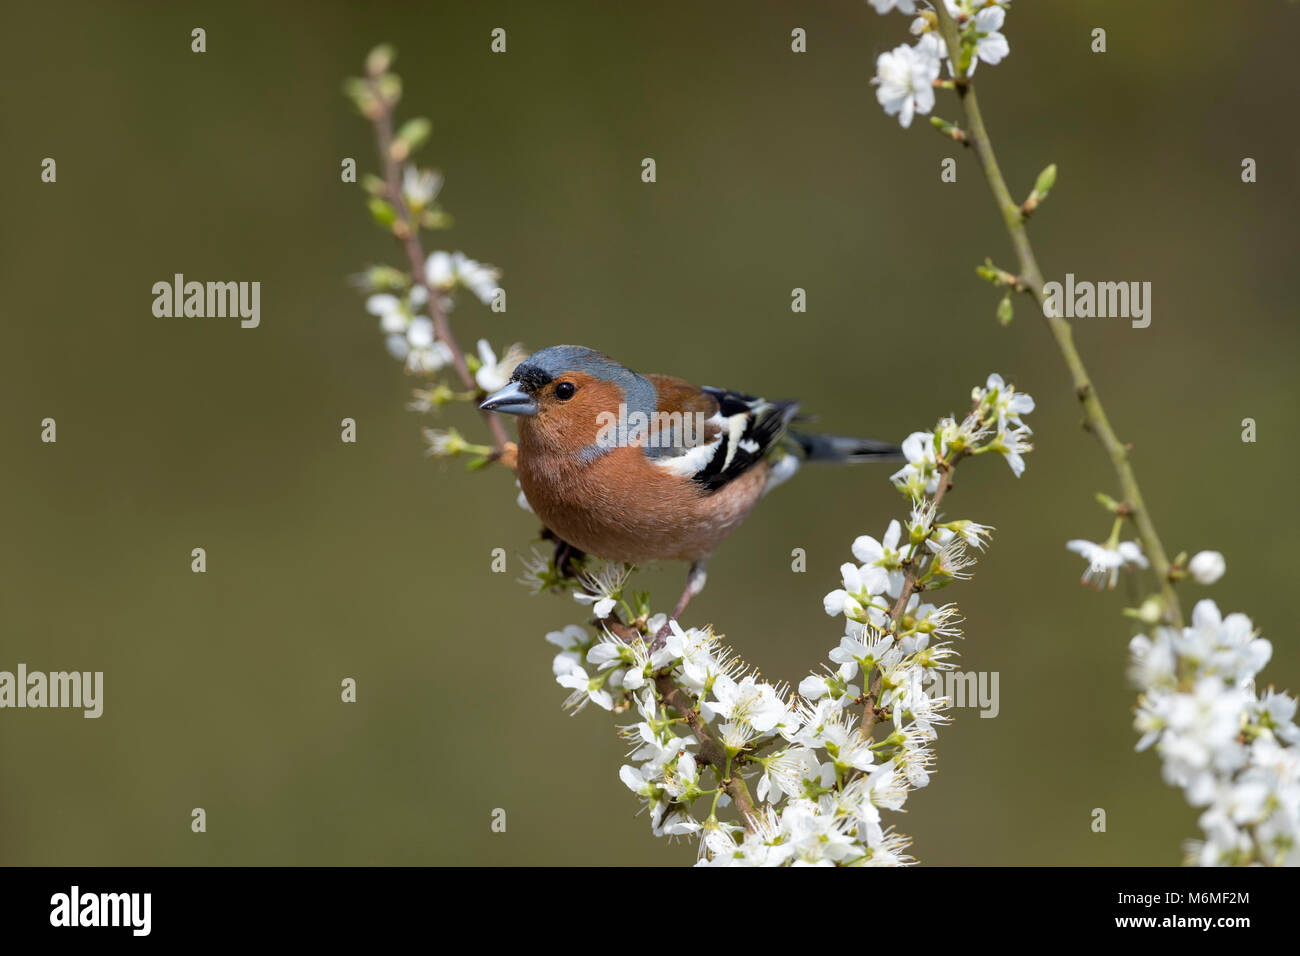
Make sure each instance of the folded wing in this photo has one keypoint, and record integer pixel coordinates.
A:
(715, 434)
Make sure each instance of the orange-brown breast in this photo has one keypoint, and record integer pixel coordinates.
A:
(621, 507)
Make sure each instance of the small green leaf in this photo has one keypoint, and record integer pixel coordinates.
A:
(383, 212)
(390, 87)
(436, 219)
(386, 279)
(359, 92)
(414, 132)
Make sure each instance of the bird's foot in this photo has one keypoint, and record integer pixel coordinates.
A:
(695, 579)
(568, 560)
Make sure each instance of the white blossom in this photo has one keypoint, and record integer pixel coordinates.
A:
(585, 690)
(902, 6)
(447, 270)
(990, 45)
(906, 75)
(904, 83)
(603, 589)
(395, 313)
(920, 476)
(1106, 560)
(747, 700)
(490, 375)
(420, 187)
(1007, 403)
(1231, 752)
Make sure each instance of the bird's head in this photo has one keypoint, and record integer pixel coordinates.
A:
(565, 394)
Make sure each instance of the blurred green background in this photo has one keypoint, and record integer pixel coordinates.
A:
(775, 170)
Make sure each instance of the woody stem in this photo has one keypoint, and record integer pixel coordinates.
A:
(711, 751)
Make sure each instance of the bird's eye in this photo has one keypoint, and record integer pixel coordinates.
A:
(565, 391)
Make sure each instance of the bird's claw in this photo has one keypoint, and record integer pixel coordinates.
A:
(568, 560)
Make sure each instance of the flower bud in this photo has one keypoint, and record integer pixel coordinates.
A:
(379, 60)
(1046, 180)
(1005, 311)
(1152, 609)
(1206, 567)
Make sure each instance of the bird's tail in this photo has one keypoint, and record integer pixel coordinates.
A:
(838, 448)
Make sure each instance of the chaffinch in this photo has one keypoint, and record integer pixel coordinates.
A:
(640, 468)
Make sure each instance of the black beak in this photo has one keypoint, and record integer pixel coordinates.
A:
(511, 400)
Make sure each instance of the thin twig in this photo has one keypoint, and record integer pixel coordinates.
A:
(1095, 417)
(410, 239)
